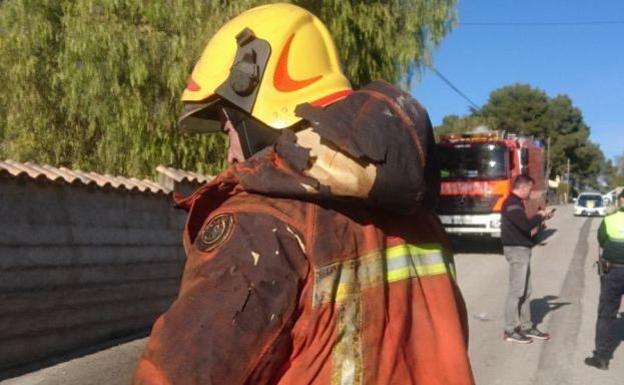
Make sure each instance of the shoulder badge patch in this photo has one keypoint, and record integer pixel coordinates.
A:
(216, 232)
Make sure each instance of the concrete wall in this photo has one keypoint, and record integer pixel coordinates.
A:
(80, 265)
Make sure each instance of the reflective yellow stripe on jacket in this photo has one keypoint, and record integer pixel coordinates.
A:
(341, 283)
(335, 282)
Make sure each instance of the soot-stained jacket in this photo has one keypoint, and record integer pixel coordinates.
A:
(319, 261)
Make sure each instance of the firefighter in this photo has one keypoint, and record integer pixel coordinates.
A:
(316, 257)
(611, 269)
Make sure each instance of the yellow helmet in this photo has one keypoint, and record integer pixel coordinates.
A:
(265, 61)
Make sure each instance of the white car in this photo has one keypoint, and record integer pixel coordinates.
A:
(590, 204)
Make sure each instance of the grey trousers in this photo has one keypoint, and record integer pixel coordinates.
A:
(517, 309)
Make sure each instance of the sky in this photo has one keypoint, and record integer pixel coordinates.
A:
(586, 62)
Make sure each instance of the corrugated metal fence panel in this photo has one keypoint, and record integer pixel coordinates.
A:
(65, 175)
(81, 264)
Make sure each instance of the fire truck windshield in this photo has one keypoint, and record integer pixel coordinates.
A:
(473, 161)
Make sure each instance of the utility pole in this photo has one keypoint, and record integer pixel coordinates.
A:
(547, 162)
(568, 182)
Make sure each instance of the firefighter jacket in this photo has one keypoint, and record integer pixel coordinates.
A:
(611, 237)
(319, 261)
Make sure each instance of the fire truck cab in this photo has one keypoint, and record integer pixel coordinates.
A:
(477, 171)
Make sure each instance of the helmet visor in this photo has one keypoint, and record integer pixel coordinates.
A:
(200, 117)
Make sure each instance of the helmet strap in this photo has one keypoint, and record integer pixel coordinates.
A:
(254, 135)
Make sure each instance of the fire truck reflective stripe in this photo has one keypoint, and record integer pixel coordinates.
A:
(338, 281)
(342, 283)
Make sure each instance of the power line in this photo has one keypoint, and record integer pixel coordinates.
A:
(457, 90)
(541, 24)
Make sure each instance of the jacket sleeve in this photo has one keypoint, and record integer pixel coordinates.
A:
(516, 214)
(603, 237)
(231, 321)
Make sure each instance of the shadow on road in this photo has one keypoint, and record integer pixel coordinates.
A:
(540, 307)
(474, 245)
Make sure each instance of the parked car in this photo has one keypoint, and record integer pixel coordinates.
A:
(606, 199)
(589, 204)
(610, 198)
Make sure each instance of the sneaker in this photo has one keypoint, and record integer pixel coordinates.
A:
(517, 337)
(597, 362)
(536, 333)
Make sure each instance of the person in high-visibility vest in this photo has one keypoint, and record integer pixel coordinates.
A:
(317, 257)
(611, 239)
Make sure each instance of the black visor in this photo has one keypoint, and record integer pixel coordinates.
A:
(200, 117)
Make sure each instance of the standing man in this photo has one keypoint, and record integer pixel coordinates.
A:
(316, 257)
(611, 239)
(517, 232)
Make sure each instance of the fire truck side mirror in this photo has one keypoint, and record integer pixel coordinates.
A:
(524, 161)
(524, 157)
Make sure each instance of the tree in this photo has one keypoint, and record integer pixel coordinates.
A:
(384, 39)
(522, 109)
(95, 84)
(459, 124)
(588, 163)
(614, 172)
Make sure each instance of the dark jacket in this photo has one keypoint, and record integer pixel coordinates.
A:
(287, 283)
(515, 225)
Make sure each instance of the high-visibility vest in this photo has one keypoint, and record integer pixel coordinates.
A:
(613, 247)
(615, 226)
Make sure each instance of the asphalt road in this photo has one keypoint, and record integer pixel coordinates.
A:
(565, 298)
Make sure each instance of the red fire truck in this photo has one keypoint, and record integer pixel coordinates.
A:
(477, 171)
